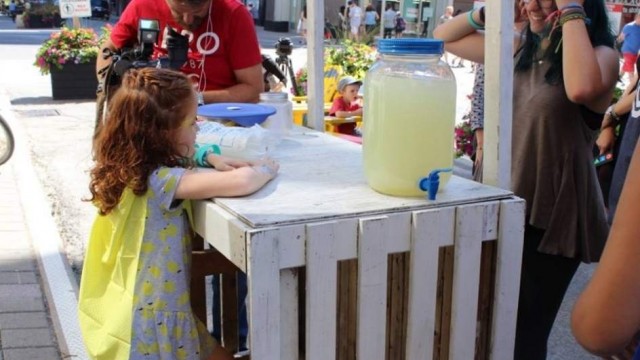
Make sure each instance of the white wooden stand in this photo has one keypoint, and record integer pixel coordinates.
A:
(320, 211)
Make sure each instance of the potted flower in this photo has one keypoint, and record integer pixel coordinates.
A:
(354, 58)
(70, 56)
(464, 138)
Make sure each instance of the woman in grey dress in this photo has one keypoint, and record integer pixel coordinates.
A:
(565, 73)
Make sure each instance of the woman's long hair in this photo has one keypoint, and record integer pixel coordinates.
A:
(600, 34)
(139, 134)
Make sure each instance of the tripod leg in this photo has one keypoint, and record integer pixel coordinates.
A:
(293, 78)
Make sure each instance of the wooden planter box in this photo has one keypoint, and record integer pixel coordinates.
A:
(74, 81)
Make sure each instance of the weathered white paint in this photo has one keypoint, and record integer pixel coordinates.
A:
(264, 295)
(322, 278)
(372, 288)
(322, 179)
(466, 280)
(431, 230)
(508, 265)
(498, 89)
(315, 63)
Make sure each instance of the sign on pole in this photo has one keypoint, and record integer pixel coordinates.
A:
(75, 8)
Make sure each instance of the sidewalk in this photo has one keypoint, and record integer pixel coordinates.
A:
(26, 330)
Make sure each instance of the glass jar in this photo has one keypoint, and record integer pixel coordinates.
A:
(282, 121)
(409, 116)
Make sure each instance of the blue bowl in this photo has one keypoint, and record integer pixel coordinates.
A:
(242, 114)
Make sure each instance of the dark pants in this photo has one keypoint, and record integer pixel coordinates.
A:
(243, 327)
(388, 32)
(543, 283)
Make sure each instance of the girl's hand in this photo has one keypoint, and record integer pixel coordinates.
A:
(267, 167)
(224, 163)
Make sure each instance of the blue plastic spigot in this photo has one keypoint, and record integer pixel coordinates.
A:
(431, 183)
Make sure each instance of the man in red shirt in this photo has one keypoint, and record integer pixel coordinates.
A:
(224, 56)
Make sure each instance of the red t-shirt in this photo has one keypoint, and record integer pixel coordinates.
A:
(226, 43)
(340, 105)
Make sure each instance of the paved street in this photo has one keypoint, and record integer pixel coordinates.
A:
(55, 136)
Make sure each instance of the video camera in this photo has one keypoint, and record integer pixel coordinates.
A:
(136, 58)
(284, 47)
(141, 56)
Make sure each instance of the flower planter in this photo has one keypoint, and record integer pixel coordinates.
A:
(74, 81)
(42, 22)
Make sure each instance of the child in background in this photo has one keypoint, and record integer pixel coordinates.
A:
(134, 298)
(348, 103)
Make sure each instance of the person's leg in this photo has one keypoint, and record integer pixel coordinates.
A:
(243, 325)
(543, 283)
(215, 309)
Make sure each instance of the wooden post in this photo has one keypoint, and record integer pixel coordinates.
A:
(315, 61)
(498, 89)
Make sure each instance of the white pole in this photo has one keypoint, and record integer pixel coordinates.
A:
(315, 64)
(498, 89)
(382, 10)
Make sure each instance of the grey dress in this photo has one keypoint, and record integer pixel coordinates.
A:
(552, 167)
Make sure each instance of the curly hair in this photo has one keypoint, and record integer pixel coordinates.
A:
(140, 133)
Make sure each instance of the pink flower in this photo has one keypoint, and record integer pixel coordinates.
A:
(61, 60)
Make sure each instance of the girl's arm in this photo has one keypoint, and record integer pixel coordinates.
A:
(590, 74)
(607, 314)
(238, 182)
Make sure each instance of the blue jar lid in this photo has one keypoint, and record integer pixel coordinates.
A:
(411, 46)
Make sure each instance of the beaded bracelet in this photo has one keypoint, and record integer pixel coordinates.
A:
(577, 16)
(472, 22)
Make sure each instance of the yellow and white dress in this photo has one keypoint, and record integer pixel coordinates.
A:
(134, 294)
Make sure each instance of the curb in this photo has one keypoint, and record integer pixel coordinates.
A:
(59, 284)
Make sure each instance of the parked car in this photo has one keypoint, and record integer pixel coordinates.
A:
(100, 9)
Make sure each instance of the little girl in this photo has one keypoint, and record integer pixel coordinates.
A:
(134, 294)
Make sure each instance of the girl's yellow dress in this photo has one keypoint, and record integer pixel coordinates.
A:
(134, 295)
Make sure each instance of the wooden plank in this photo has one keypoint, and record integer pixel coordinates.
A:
(198, 289)
(222, 230)
(289, 314)
(347, 309)
(322, 271)
(372, 287)
(264, 294)
(431, 230)
(498, 90)
(340, 192)
(346, 240)
(446, 274)
(229, 311)
(291, 240)
(485, 299)
(507, 284)
(466, 280)
(400, 239)
(342, 311)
